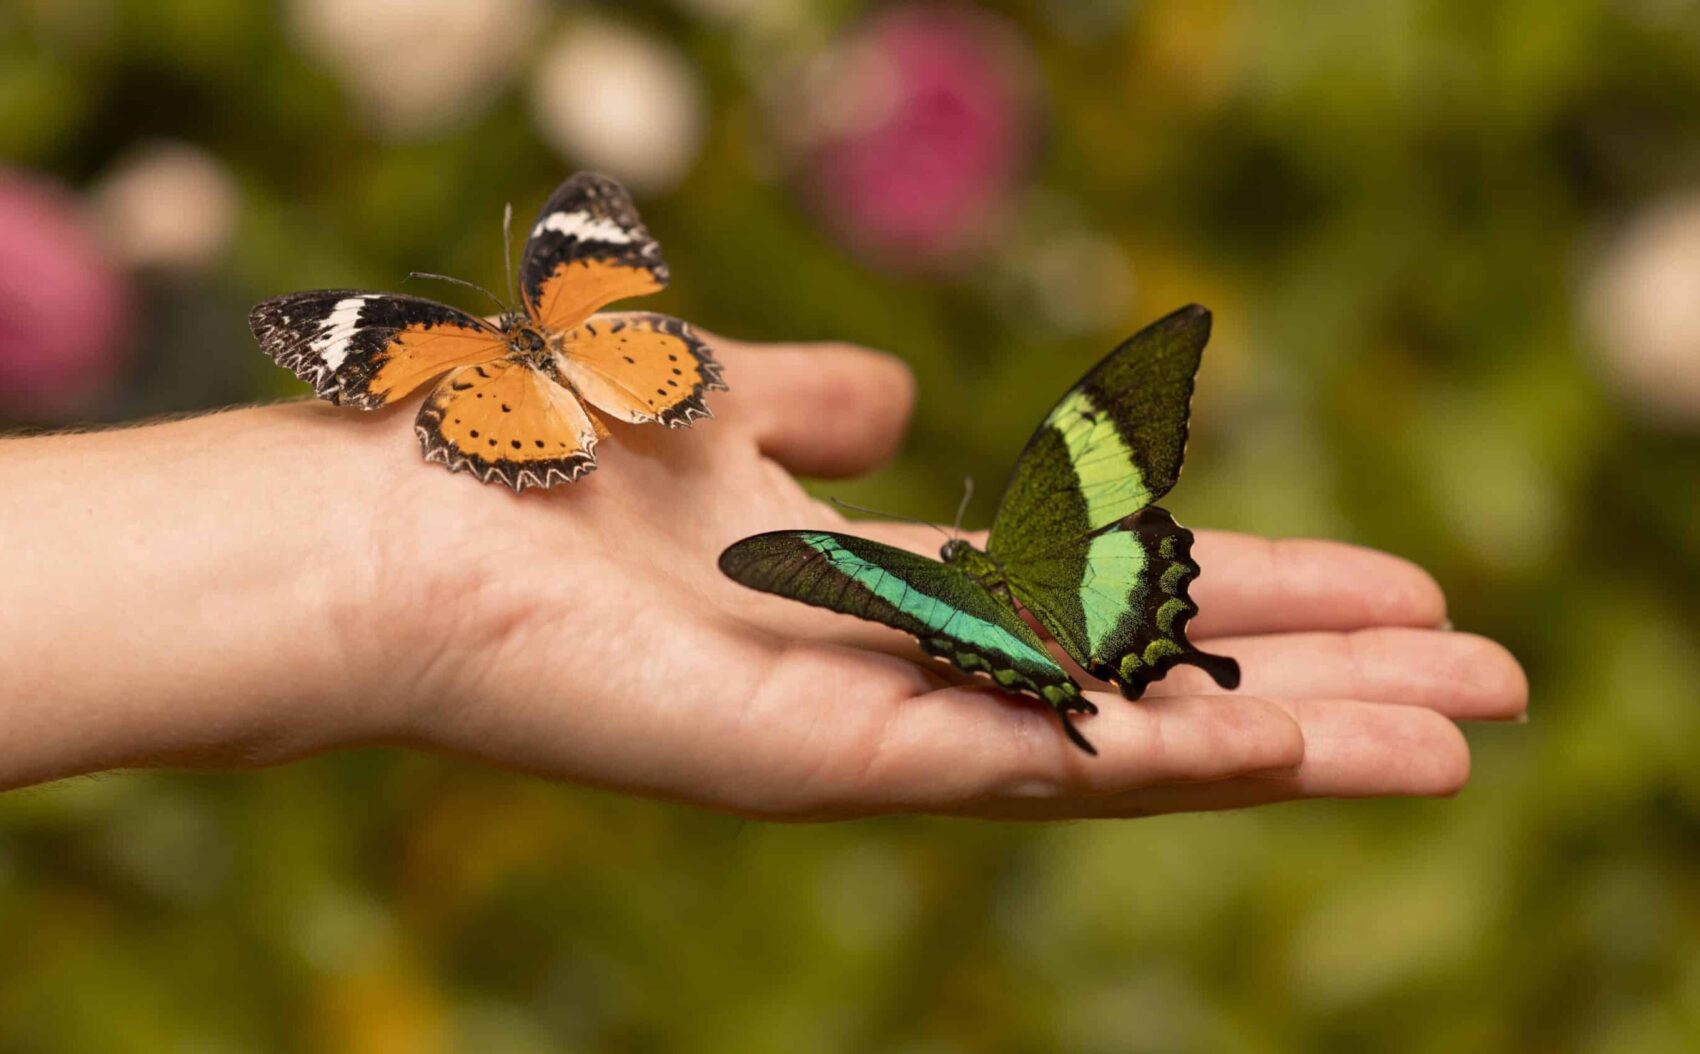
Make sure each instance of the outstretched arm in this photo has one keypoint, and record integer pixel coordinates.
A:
(252, 586)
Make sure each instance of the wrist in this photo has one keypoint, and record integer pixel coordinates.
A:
(222, 566)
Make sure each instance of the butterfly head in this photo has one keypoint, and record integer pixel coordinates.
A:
(526, 341)
(956, 551)
(975, 563)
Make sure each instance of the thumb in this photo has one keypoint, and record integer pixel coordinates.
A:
(829, 410)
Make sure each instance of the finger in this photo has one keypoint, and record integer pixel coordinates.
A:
(1352, 750)
(1021, 753)
(1250, 584)
(1460, 675)
(828, 410)
(881, 741)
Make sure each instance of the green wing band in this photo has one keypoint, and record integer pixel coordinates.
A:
(1110, 447)
(1118, 602)
(1077, 536)
(952, 616)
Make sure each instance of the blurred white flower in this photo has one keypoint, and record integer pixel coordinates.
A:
(418, 66)
(1056, 271)
(168, 206)
(610, 98)
(1643, 307)
(1082, 282)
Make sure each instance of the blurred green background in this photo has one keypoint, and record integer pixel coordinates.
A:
(1453, 249)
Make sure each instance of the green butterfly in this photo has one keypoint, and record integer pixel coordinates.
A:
(1076, 542)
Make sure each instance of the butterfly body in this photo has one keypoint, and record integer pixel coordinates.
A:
(976, 564)
(1076, 544)
(528, 343)
(514, 402)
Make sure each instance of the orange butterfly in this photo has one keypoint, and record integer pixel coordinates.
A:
(512, 408)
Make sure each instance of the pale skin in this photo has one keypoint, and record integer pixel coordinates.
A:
(250, 587)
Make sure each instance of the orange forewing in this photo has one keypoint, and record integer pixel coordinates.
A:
(577, 289)
(369, 349)
(416, 354)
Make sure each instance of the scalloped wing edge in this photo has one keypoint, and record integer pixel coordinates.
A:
(1063, 699)
(546, 474)
(1133, 673)
(695, 407)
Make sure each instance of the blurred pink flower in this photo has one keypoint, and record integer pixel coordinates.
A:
(914, 132)
(65, 312)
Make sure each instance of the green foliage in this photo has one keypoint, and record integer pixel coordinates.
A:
(1388, 206)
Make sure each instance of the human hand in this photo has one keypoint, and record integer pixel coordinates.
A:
(293, 579)
(586, 634)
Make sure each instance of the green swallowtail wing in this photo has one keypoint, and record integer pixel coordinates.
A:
(1077, 541)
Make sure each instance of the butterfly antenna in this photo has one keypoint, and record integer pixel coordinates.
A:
(506, 310)
(508, 250)
(890, 516)
(962, 509)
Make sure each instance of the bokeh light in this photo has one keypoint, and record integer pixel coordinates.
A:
(609, 98)
(418, 67)
(1644, 308)
(913, 131)
(65, 310)
(167, 206)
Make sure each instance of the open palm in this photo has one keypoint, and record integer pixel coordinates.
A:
(585, 633)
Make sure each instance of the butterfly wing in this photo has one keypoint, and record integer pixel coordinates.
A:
(587, 249)
(641, 367)
(1103, 571)
(506, 422)
(369, 349)
(1113, 444)
(952, 616)
(1117, 602)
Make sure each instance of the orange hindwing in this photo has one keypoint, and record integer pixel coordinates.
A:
(506, 422)
(640, 367)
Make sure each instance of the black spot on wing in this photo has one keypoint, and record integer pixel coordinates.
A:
(695, 404)
(495, 468)
(517, 475)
